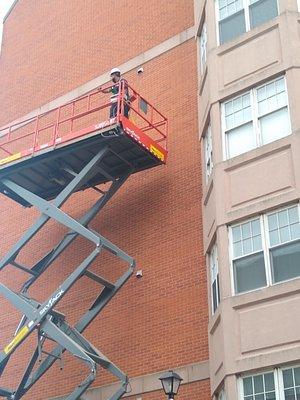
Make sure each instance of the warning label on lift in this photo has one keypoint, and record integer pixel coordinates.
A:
(16, 340)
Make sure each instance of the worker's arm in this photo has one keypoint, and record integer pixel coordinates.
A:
(107, 90)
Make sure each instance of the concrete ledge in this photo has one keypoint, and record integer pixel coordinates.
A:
(149, 383)
(127, 66)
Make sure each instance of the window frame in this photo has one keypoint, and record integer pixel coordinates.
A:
(264, 227)
(278, 380)
(262, 372)
(208, 136)
(246, 8)
(214, 250)
(203, 55)
(256, 130)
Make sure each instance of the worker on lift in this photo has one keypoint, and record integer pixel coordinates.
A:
(116, 78)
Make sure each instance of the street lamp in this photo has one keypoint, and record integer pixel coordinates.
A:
(170, 382)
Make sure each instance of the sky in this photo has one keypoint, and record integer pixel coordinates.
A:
(4, 7)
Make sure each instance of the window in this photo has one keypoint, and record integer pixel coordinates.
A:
(214, 278)
(208, 153)
(203, 46)
(279, 384)
(255, 118)
(266, 250)
(284, 235)
(238, 16)
(291, 383)
(248, 256)
(259, 387)
(221, 395)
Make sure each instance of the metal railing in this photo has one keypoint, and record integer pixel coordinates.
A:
(80, 116)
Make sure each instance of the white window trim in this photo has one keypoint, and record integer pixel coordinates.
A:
(278, 380)
(265, 249)
(246, 4)
(204, 54)
(214, 249)
(255, 117)
(208, 133)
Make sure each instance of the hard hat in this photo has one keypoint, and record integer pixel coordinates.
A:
(115, 71)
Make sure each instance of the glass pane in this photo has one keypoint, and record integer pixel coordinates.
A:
(298, 393)
(255, 225)
(284, 234)
(238, 117)
(214, 296)
(281, 100)
(295, 231)
(285, 261)
(237, 104)
(240, 140)
(249, 273)
(232, 27)
(271, 396)
(246, 100)
(259, 397)
(288, 380)
(274, 238)
(293, 215)
(228, 108)
(236, 233)
(275, 125)
(258, 384)
(283, 218)
(272, 221)
(297, 376)
(271, 90)
(261, 93)
(246, 233)
(257, 245)
(247, 246)
(269, 381)
(262, 11)
(247, 114)
(280, 86)
(248, 389)
(229, 121)
(237, 249)
(289, 394)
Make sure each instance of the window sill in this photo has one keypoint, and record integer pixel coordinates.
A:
(269, 293)
(248, 36)
(257, 153)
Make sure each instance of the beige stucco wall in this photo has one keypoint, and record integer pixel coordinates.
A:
(258, 329)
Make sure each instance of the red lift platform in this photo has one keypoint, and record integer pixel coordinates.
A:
(43, 161)
(40, 152)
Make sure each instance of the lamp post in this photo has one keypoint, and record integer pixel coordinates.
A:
(170, 382)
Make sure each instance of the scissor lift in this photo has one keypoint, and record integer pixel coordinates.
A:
(44, 161)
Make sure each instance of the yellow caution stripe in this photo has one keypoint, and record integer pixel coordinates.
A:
(154, 150)
(10, 158)
(16, 340)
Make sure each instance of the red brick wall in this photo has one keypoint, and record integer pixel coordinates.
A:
(159, 321)
(192, 391)
(52, 46)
